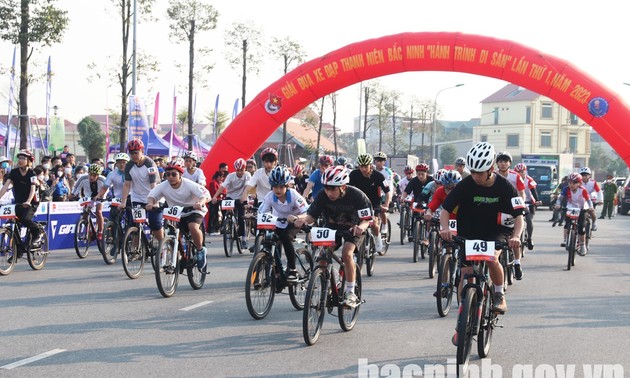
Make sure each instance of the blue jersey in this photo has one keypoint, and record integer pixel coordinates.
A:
(316, 179)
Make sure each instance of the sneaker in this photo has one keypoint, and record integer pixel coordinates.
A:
(292, 276)
(201, 258)
(582, 250)
(530, 245)
(243, 244)
(216, 233)
(37, 241)
(410, 239)
(499, 303)
(602, 217)
(99, 236)
(378, 244)
(563, 244)
(594, 228)
(350, 300)
(454, 339)
(518, 272)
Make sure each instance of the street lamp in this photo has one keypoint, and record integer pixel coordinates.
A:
(434, 127)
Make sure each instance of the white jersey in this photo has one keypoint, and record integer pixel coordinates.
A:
(389, 177)
(141, 177)
(515, 179)
(593, 187)
(197, 176)
(114, 182)
(235, 185)
(186, 195)
(260, 180)
(85, 188)
(402, 184)
(294, 204)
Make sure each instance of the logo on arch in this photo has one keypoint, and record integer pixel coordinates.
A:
(273, 105)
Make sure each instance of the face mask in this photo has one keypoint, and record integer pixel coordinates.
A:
(4, 165)
(110, 165)
(40, 177)
(67, 170)
(59, 173)
(47, 166)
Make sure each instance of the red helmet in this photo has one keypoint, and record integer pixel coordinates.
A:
(422, 167)
(520, 167)
(135, 145)
(408, 169)
(239, 164)
(27, 153)
(297, 169)
(326, 160)
(576, 177)
(269, 151)
(176, 164)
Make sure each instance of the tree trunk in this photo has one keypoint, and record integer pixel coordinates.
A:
(23, 39)
(191, 59)
(244, 82)
(334, 109)
(321, 117)
(394, 123)
(410, 129)
(365, 116)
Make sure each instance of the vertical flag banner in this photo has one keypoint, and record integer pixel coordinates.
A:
(170, 144)
(107, 137)
(214, 123)
(57, 134)
(10, 112)
(48, 96)
(156, 111)
(138, 123)
(235, 109)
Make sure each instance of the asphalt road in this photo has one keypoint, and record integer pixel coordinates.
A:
(79, 318)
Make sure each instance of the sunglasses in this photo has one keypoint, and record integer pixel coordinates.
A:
(170, 174)
(134, 152)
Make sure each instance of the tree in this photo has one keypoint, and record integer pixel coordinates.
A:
(30, 22)
(222, 120)
(91, 138)
(448, 154)
(290, 52)
(242, 41)
(188, 18)
(599, 159)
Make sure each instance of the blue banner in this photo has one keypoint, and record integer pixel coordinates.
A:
(138, 123)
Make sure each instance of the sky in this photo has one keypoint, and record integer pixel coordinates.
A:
(590, 35)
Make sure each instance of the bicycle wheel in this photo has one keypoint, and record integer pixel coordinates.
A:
(82, 238)
(416, 240)
(434, 251)
(258, 241)
(314, 307)
(370, 255)
(8, 252)
(386, 240)
(403, 224)
(167, 273)
(445, 286)
(260, 286)
(484, 338)
(196, 277)
(133, 253)
(110, 242)
(235, 236)
(304, 265)
(37, 256)
(348, 316)
(422, 234)
(465, 325)
(228, 241)
(571, 245)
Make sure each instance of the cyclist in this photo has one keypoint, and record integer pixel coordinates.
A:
(402, 184)
(481, 199)
(234, 184)
(380, 158)
(418, 183)
(448, 181)
(287, 203)
(180, 191)
(192, 172)
(141, 175)
(373, 185)
(531, 200)
(576, 196)
(429, 189)
(593, 189)
(90, 185)
(342, 160)
(460, 166)
(260, 178)
(299, 178)
(116, 178)
(504, 160)
(340, 204)
(25, 183)
(314, 182)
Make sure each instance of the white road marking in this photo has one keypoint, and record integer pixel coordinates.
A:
(195, 306)
(32, 359)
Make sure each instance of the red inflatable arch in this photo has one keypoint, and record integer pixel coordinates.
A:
(447, 51)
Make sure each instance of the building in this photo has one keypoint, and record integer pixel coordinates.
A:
(520, 121)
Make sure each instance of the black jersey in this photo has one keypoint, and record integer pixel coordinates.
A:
(373, 186)
(415, 186)
(22, 185)
(344, 211)
(480, 207)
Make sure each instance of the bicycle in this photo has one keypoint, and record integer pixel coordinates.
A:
(136, 245)
(85, 230)
(326, 287)
(405, 220)
(571, 243)
(418, 231)
(13, 245)
(366, 252)
(113, 232)
(175, 255)
(229, 228)
(433, 249)
(386, 238)
(266, 275)
(476, 317)
(448, 277)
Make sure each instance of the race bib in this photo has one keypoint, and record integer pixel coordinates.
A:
(415, 208)
(227, 205)
(266, 221)
(173, 213)
(452, 226)
(34, 180)
(85, 201)
(573, 213)
(409, 199)
(139, 215)
(518, 203)
(323, 237)
(505, 220)
(116, 202)
(479, 250)
(365, 214)
(7, 212)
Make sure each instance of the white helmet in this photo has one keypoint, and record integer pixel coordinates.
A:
(122, 156)
(585, 171)
(480, 158)
(335, 176)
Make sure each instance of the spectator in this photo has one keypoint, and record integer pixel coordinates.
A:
(223, 167)
(213, 215)
(64, 154)
(45, 190)
(71, 159)
(59, 181)
(55, 161)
